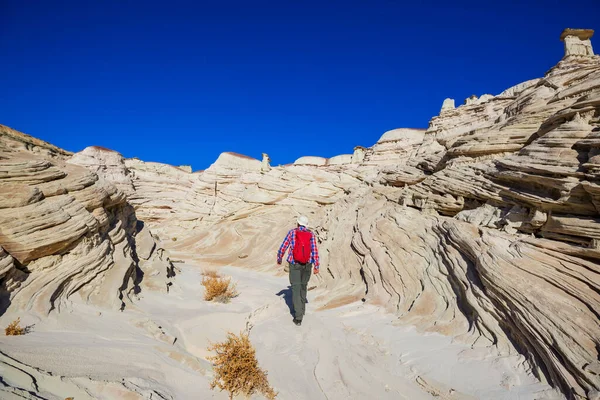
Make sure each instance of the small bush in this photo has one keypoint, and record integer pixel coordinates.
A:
(174, 239)
(210, 273)
(218, 289)
(236, 368)
(14, 328)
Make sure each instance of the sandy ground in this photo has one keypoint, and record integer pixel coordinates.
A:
(157, 350)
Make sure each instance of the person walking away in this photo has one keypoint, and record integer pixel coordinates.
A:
(302, 257)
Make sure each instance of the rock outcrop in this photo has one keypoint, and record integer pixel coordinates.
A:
(311, 160)
(483, 227)
(577, 42)
(11, 140)
(65, 231)
(266, 163)
(359, 154)
(504, 248)
(447, 105)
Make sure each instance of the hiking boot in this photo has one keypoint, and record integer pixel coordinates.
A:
(298, 322)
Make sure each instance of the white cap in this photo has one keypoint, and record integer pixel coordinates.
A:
(302, 220)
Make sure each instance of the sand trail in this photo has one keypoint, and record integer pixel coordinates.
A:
(157, 348)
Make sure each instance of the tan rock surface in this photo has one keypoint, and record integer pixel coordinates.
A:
(311, 160)
(484, 227)
(65, 231)
(11, 139)
(577, 42)
(522, 162)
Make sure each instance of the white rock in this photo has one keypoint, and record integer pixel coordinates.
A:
(311, 160)
(471, 100)
(447, 105)
(265, 164)
(341, 159)
(237, 161)
(577, 42)
(413, 224)
(359, 155)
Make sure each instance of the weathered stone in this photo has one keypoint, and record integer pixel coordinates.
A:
(447, 105)
(14, 141)
(310, 160)
(577, 42)
(341, 159)
(265, 165)
(471, 100)
(69, 228)
(484, 227)
(359, 155)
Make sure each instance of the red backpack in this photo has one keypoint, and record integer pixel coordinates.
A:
(302, 246)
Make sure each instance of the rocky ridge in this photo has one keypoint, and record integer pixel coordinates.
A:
(64, 230)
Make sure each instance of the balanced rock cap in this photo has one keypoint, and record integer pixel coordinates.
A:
(302, 220)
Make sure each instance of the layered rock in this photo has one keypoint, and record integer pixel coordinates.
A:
(534, 156)
(10, 279)
(476, 284)
(483, 227)
(65, 231)
(577, 42)
(395, 146)
(447, 105)
(508, 166)
(11, 140)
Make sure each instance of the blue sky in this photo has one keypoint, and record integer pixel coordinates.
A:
(180, 82)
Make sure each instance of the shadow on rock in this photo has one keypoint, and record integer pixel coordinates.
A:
(287, 296)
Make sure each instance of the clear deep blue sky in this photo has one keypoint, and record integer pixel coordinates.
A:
(180, 82)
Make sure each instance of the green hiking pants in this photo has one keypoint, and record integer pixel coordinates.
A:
(299, 277)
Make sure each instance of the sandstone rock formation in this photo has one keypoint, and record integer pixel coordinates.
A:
(577, 42)
(65, 231)
(359, 154)
(447, 105)
(483, 227)
(13, 140)
(311, 160)
(521, 271)
(266, 160)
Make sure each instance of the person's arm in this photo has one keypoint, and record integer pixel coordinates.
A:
(314, 253)
(286, 243)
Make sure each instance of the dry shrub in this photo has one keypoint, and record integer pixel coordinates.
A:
(14, 328)
(211, 273)
(218, 289)
(236, 368)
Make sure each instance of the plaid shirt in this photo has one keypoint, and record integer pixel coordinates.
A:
(289, 242)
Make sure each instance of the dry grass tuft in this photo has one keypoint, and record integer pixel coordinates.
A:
(210, 273)
(218, 288)
(236, 368)
(14, 328)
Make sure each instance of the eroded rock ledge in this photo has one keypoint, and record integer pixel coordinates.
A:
(64, 230)
(483, 227)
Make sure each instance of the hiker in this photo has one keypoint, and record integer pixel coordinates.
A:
(303, 255)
